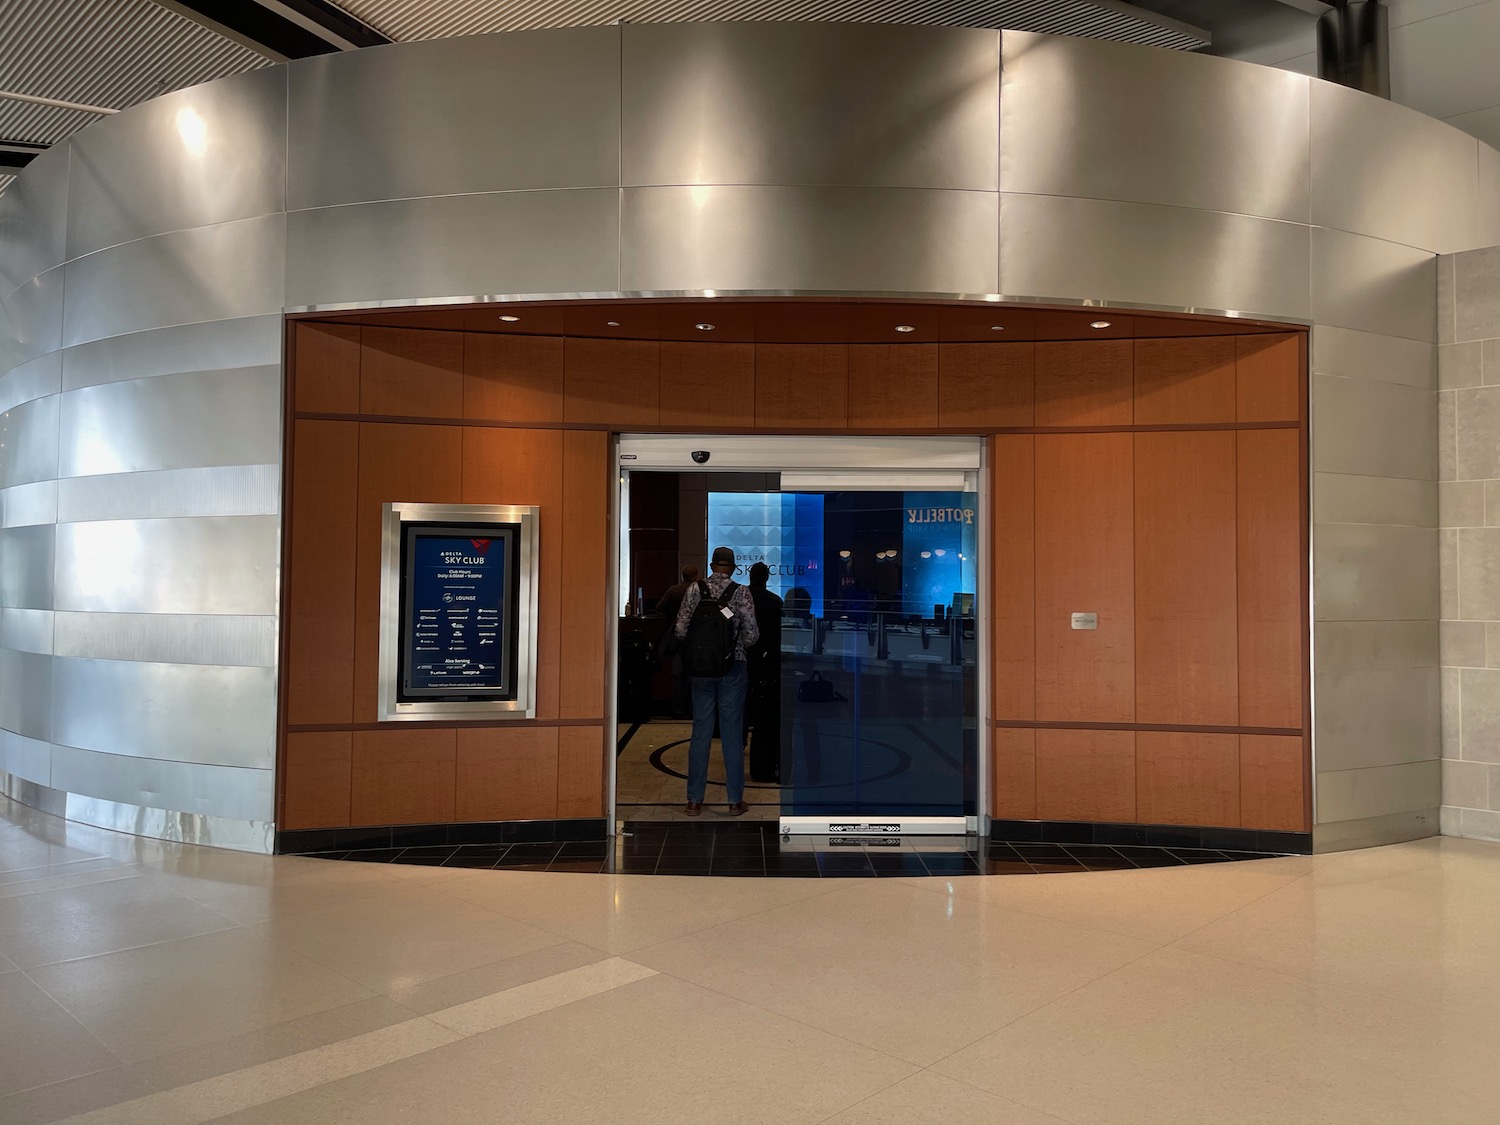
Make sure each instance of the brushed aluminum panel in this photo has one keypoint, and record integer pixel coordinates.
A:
(222, 564)
(1378, 717)
(27, 504)
(207, 273)
(33, 219)
(32, 320)
(26, 561)
(1365, 355)
(862, 240)
(1365, 572)
(28, 442)
(1389, 172)
(208, 154)
(1083, 117)
(25, 693)
(1357, 794)
(477, 114)
(1489, 197)
(1133, 254)
(39, 377)
(493, 245)
(166, 638)
(1369, 428)
(29, 759)
(1373, 286)
(179, 712)
(26, 630)
(866, 105)
(252, 341)
(198, 419)
(168, 824)
(229, 490)
(227, 791)
(34, 795)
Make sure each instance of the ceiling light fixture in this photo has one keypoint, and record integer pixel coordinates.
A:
(997, 328)
(704, 326)
(1099, 324)
(510, 319)
(906, 328)
(612, 323)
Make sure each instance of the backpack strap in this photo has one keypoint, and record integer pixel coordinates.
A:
(724, 598)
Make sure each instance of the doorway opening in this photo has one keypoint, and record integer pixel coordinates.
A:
(863, 557)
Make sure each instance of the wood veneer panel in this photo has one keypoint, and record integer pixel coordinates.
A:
(1084, 564)
(1186, 650)
(316, 780)
(1271, 781)
(515, 466)
(321, 575)
(585, 573)
(1013, 780)
(507, 773)
(398, 463)
(411, 374)
(403, 776)
(513, 378)
(893, 385)
(1268, 378)
(1012, 462)
(801, 385)
(1184, 380)
(580, 771)
(1085, 775)
(612, 382)
(1270, 560)
(327, 368)
(707, 385)
(1187, 778)
(987, 386)
(1084, 383)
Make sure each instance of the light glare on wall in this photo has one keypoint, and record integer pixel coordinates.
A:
(193, 130)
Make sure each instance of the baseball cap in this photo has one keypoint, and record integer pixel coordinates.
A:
(723, 556)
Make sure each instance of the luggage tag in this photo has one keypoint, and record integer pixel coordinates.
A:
(726, 611)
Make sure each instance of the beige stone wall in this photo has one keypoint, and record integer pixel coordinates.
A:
(1469, 516)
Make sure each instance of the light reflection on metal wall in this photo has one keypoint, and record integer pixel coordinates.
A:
(144, 264)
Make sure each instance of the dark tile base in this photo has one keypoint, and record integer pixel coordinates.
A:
(758, 850)
(1153, 835)
(313, 841)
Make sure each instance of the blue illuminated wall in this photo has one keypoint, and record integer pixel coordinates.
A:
(939, 536)
(783, 530)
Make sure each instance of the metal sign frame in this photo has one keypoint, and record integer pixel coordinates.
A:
(394, 518)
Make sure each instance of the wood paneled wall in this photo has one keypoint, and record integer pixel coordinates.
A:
(1158, 483)
(1167, 497)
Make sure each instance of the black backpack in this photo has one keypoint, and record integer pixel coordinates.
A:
(708, 648)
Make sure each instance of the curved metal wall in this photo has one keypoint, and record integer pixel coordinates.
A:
(145, 263)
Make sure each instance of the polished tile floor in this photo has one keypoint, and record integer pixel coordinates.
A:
(651, 776)
(169, 984)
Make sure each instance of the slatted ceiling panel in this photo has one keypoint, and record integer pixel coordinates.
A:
(114, 53)
(404, 20)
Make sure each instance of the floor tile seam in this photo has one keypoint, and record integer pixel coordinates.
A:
(561, 937)
(229, 925)
(1061, 1120)
(71, 1078)
(60, 863)
(867, 1097)
(75, 1017)
(916, 1066)
(1241, 907)
(287, 947)
(25, 888)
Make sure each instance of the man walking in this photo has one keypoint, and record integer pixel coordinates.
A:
(716, 623)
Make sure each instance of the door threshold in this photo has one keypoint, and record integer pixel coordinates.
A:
(876, 826)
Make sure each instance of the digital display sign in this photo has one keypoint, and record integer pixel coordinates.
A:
(458, 615)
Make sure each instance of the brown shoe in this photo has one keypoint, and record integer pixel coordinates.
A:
(694, 808)
(739, 808)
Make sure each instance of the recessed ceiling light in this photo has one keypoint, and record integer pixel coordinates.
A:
(1099, 324)
(997, 328)
(612, 323)
(510, 319)
(704, 326)
(906, 328)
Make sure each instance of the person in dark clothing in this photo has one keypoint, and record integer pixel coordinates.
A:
(670, 603)
(763, 708)
(720, 699)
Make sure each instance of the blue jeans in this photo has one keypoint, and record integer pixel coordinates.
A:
(723, 696)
